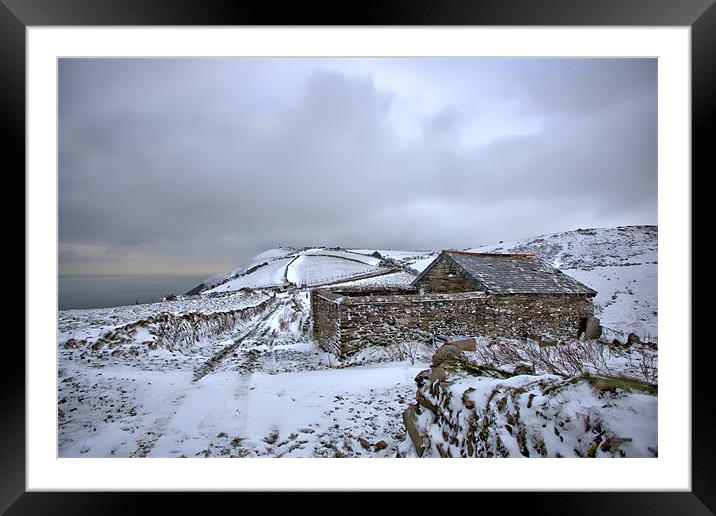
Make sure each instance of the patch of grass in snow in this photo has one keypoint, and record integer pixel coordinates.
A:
(605, 383)
(474, 369)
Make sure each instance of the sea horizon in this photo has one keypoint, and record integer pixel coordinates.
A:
(82, 291)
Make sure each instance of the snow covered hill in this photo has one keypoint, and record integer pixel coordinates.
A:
(258, 261)
(288, 267)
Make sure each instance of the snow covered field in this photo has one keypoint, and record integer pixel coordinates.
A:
(233, 372)
(319, 269)
(396, 279)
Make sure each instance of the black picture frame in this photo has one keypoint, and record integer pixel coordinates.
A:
(700, 15)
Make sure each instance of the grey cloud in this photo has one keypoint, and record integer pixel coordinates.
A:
(199, 164)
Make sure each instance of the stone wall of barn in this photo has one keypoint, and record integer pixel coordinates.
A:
(352, 323)
(445, 277)
(326, 321)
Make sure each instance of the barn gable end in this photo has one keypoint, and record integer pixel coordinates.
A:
(444, 275)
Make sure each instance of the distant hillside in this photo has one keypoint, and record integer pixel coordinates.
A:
(246, 268)
(307, 267)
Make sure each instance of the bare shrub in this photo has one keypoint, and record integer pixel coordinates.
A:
(570, 358)
(649, 368)
(405, 350)
(645, 365)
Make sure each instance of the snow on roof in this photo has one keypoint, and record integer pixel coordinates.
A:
(511, 273)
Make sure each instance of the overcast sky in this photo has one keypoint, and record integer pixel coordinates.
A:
(196, 165)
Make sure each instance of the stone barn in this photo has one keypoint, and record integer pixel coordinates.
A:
(459, 293)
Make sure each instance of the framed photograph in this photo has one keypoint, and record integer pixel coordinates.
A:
(269, 254)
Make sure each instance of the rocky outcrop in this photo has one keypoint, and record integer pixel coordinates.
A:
(592, 329)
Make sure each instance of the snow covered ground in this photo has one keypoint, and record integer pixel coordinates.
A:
(274, 394)
(232, 371)
(323, 413)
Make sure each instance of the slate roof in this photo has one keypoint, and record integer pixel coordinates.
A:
(511, 274)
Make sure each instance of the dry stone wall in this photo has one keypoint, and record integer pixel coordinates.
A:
(176, 332)
(466, 409)
(345, 322)
(326, 321)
